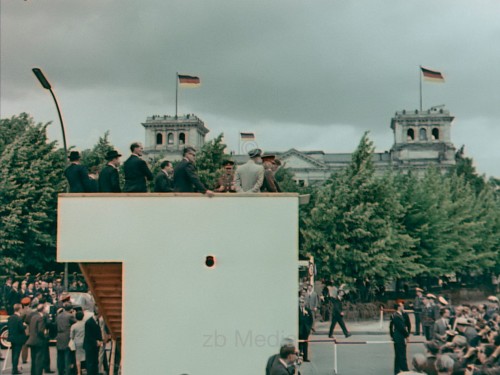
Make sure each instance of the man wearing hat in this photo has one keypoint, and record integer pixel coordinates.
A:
(109, 180)
(269, 184)
(163, 180)
(186, 179)
(77, 175)
(225, 183)
(429, 315)
(250, 176)
(418, 305)
(136, 171)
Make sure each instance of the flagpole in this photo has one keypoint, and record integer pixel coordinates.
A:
(420, 75)
(176, 91)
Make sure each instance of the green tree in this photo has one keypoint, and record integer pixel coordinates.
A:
(11, 128)
(31, 175)
(96, 156)
(355, 228)
(209, 161)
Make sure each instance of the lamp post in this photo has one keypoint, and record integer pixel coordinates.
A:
(46, 85)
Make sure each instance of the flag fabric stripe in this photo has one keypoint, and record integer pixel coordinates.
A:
(432, 75)
(185, 80)
(247, 136)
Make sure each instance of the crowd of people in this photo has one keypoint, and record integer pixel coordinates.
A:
(39, 310)
(256, 175)
(459, 340)
(462, 339)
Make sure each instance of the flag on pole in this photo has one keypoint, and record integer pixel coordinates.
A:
(247, 136)
(189, 81)
(432, 75)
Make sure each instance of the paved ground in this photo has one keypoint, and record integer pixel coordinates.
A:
(369, 351)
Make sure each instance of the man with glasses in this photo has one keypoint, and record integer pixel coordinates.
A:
(186, 179)
(286, 361)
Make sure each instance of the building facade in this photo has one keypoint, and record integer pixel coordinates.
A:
(168, 135)
(421, 139)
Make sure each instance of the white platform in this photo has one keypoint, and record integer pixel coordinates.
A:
(179, 316)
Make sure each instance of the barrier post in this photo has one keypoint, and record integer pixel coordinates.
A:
(381, 317)
(335, 369)
(6, 358)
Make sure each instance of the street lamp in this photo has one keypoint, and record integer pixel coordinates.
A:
(46, 85)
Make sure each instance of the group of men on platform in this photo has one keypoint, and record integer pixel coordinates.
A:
(460, 340)
(254, 176)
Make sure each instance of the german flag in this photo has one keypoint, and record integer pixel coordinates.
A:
(189, 81)
(432, 75)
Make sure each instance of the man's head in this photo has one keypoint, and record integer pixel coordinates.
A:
(419, 291)
(166, 166)
(228, 166)
(15, 285)
(189, 153)
(302, 302)
(445, 313)
(444, 364)
(74, 156)
(419, 362)
(399, 307)
(113, 157)
(136, 148)
(288, 353)
(255, 155)
(17, 307)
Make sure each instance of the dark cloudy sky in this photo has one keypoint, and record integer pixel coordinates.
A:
(308, 74)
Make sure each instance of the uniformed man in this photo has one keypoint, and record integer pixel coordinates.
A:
(225, 183)
(418, 305)
(269, 183)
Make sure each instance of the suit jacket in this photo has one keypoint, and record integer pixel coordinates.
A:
(186, 179)
(64, 321)
(249, 177)
(136, 172)
(37, 331)
(109, 180)
(78, 179)
(92, 334)
(397, 328)
(17, 332)
(277, 368)
(305, 323)
(440, 328)
(163, 183)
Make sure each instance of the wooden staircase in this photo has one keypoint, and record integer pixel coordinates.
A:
(105, 283)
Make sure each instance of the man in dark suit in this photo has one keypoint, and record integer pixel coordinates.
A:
(305, 326)
(338, 315)
(136, 171)
(64, 321)
(282, 364)
(185, 178)
(77, 175)
(399, 333)
(91, 343)
(17, 336)
(37, 340)
(109, 180)
(163, 180)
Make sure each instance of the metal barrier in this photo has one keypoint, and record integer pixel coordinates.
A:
(335, 343)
